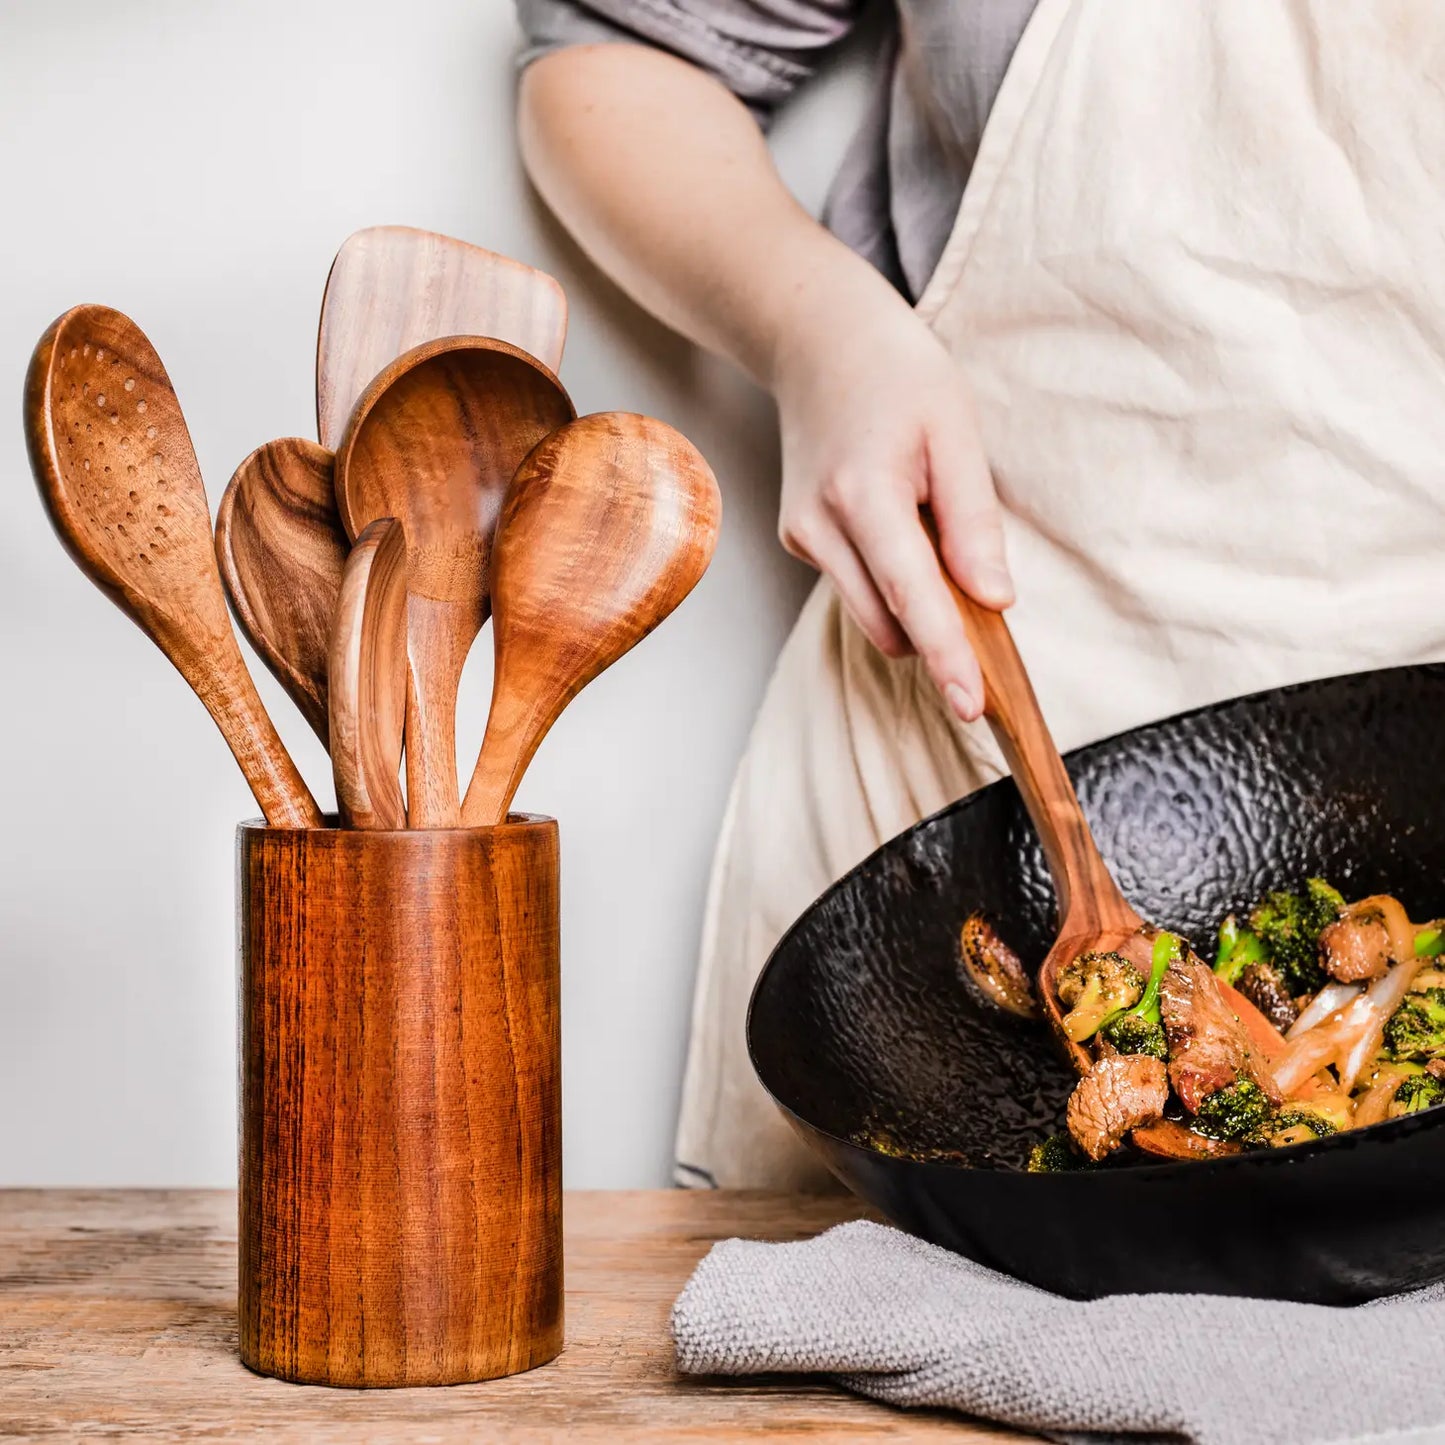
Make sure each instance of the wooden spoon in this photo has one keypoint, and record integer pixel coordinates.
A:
(281, 549)
(433, 442)
(608, 525)
(392, 288)
(368, 680)
(1093, 915)
(118, 474)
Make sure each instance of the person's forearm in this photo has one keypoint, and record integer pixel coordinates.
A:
(663, 177)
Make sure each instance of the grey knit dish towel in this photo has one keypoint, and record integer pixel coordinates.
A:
(889, 1316)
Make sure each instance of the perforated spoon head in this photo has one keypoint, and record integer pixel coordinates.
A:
(607, 526)
(281, 550)
(116, 469)
(434, 441)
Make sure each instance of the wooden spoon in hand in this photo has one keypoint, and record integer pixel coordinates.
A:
(118, 475)
(1093, 915)
(392, 288)
(607, 526)
(433, 442)
(368, 680)
(281, 549)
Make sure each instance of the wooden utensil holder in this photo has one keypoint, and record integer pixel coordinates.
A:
(400, 1169)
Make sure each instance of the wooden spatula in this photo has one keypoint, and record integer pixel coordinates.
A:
(392, 288)
(281, 549)
(434, 441)
(118, 474)
(368, 680)
(606, 527)
(1093, 915)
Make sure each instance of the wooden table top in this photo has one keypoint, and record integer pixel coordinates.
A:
(118, 1316)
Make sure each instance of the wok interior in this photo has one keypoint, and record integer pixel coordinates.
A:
(863, 1023)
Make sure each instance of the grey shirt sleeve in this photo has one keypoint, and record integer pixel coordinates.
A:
(760, 49)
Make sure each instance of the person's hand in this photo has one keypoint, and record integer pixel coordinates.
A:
(877, 420)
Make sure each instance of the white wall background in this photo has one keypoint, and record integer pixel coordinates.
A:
(196, 164)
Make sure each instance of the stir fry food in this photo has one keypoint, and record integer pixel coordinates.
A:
(1317, 1016)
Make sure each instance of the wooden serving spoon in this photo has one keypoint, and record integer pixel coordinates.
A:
(392, 288)
(281, 549)
(368, 680)
(434, 441)
(607, 526)
(118, 474)
(1093, 915)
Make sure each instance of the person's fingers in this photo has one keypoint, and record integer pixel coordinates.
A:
(823, 546)
(965, 507)
(889, 535)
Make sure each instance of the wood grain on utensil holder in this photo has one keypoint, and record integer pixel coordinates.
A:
(400, 1173)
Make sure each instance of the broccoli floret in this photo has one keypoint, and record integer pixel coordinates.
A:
(1295, 1125)
(1131, 1034)
(1283, 929)
(1094, 986)
(1056, 1155)
(1238, 948)
(1416, 1030)
(1288, 925)
(1430, 941)
(1419, 1091)
(1240, 1112)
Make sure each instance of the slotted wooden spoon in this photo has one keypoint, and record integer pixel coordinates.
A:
(434, 441)
(281, 549)
(392, 288)
(1093, 915)
(368, 680)
(118, 474)
(607, 526)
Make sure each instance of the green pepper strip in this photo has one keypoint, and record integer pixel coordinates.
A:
(1430, 942)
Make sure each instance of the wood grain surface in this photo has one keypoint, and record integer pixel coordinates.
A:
(434, 442)
(608, 524)
(401, 1167)
(393, 287)
(281, 549)
(116, 469)
(367, 680)
(119, 1321)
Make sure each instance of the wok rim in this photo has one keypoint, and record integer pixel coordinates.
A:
(1385, 1131)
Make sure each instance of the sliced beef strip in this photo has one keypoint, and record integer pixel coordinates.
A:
(1208, 1047)
(1356, 947)
(1118, 1094)
(1261, 984)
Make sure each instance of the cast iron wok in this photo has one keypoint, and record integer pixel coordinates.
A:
(876, 1046)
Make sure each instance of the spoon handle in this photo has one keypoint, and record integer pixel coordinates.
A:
(437, 644)
(219, 678)
(1088, 897)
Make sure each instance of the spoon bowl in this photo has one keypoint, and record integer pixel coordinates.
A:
(368, 680)
(281, 550)
(116, 469)
(607, 526)
(433, 442)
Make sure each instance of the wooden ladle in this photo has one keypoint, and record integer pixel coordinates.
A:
(368, 680)
(118, 474)
(607, 526)
(394, 287)
(434, 441)
(1093, 915)
(281, 549)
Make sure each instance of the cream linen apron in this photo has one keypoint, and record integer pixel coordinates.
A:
(1197, 283)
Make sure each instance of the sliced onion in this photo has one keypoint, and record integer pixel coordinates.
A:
(1320, 1046)
(1330, 999)
(1383, 998)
